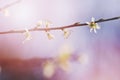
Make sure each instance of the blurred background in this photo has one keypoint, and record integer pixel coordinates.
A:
(100, 52)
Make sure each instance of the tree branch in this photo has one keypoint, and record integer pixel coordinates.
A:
(77, 24)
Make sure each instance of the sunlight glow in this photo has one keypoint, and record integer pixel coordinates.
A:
(23, 12)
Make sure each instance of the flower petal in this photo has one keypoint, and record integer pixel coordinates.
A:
(95, 30)
(92, 19)
(88, 23)
(91, 29)
(98, 27)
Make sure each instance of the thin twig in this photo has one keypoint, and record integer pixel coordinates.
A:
(59, 28)
(9, 5)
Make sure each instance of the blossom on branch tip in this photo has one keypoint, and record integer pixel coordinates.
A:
(27, 35)
(93, 25)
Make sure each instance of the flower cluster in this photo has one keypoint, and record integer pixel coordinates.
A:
(93, 25)
(46, 25)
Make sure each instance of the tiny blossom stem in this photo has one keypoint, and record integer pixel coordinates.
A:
(77, 24)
